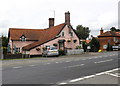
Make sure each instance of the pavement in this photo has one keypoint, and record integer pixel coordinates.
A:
(88, 68)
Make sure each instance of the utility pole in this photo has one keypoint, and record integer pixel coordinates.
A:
(54, 14)
(1, 49)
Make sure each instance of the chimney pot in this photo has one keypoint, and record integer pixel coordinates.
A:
(101, 31)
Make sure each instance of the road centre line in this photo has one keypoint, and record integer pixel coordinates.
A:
(67, 61)
(18, 67)
(62, 83)
(103, 61)
(56, 62)
(48, 63)
(74, 66)
(32, 65)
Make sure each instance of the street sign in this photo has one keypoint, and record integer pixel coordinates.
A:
(104, 46)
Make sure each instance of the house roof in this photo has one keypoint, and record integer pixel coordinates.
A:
(30, 34)
(88, 41)
(110, 34)
(41, 35)
(49, 34)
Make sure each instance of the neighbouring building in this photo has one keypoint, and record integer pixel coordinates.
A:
(108, 37)
(32, 41)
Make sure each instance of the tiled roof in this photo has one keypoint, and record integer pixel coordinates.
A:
(42, 35)
(110, 34)
(88, 41)
(31, 34)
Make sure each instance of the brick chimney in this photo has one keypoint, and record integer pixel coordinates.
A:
(67, 18)
(51, 22)
(101, 31)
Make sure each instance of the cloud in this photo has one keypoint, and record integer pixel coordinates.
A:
(35, 13)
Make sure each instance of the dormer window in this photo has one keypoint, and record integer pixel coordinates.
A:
(23, 38)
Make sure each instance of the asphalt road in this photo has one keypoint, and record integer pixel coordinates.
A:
(57, 71)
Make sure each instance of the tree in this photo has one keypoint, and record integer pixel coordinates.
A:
(114, 29)
(84, 44)
(4, 44)
(94, 44)
(82, 32)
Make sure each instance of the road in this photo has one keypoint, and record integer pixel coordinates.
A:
(58, 71)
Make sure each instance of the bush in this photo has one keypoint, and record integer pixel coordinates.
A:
(94, 44)
(78, 47)
(62, 52)
(109, 47)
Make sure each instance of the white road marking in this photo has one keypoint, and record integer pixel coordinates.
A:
(74, 66)
(90, 58)
(47, 63)
(56, 62)
(112, 75)
(91, 76)
(68, 61)
(75, 80)
(18, 67)
(62, 83)
(32, 65)
(103, 61)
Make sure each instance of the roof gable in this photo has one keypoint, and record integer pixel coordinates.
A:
(49, 34)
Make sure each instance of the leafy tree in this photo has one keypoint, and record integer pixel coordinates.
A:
(82, 32)
(114, 29)
(84, 44)
(4, 44)
(94, 44)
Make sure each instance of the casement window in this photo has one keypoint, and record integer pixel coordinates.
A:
(63, 34)
(71, 33)
(17, 49)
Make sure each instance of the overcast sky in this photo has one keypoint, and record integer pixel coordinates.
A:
(34, 14)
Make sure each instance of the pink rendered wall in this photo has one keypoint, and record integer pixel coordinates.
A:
(19, 44)
(66, 37)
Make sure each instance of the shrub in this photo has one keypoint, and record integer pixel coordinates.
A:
(62, 52)
(109, 47)
(78, 47)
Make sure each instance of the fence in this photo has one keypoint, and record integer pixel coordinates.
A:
(75, 51)
(15, 56)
